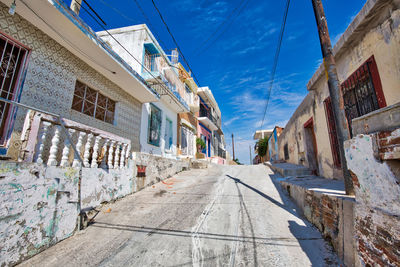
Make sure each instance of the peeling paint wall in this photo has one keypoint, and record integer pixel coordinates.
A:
(38, 208)
(157, 168)
(105, 185)
(377, 210)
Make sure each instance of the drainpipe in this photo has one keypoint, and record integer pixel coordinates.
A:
(343, 132)
(76, 6)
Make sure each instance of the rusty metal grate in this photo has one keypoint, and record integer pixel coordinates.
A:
(359, 91)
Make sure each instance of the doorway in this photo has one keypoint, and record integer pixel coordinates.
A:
(311, 146)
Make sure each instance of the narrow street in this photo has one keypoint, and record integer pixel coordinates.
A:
(220, 216)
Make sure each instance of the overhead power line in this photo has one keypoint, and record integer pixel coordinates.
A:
(176, 43)
(275, 64)
(204, 46)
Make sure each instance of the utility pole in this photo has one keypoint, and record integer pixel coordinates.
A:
(251, 160)
(334, 90)
(233, 148)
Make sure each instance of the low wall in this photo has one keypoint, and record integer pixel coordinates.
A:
(156, 168)
(38, 208)
(332, 214)
(104, 185)
(377, 190)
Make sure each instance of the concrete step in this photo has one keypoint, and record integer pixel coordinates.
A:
(289, 169)
(199, 164)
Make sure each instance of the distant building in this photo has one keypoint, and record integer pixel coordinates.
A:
(258, 135)
(273, 149)
(158, 132)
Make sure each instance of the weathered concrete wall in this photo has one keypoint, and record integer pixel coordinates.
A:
(38, 208)
(331, 213)
(157, 168)
(377, 209)
(104, 185)
(50, 80)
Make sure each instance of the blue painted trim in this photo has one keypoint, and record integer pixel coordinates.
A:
(204, 103)
(75, 19)
(3, 151)
(151, 48)
(202, 125)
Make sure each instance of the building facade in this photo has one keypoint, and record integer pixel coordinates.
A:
(273, 149)
(159, 120)
(367, 64)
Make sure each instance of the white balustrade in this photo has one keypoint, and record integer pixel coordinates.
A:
(86, 154)
(54, 147)
(95, 152)
(42, 141)
(79, 144)
(111, 155)
(66, 150)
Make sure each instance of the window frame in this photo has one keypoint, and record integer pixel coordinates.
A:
(149, 141)
(17, 91)
(96, 105)
(171, 132)
(332, 131)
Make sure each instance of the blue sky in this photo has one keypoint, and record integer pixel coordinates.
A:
(237, 65)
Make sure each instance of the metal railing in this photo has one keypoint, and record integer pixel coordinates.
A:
(206, 113)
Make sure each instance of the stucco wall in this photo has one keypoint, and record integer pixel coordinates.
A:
(377, 209)
(157, 168)
(165, 113)
(50, 83)
(38, 208)
(294, 135)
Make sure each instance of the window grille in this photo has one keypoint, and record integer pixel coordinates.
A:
(332, 132)
(154, 126)
(362, 92)
(92, 103)
(12, 61)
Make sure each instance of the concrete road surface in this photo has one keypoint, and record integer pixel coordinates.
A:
(221, 216)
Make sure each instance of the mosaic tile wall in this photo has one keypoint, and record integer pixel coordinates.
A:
(50, 83)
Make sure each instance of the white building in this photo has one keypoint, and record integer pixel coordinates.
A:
(158, 134)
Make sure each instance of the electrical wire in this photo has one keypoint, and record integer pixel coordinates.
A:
(275, 64)
(173, 38)
(203, 47)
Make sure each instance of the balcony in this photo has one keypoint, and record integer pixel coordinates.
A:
(162, 79)
(208, 119)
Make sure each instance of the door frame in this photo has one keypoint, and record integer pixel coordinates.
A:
(310, 125)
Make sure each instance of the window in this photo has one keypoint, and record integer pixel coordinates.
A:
(150, 61)
(154, 126)
(286, 151)
(12, 60)
(362, 91)
(168, 134)
(332, 132)
(92, 103)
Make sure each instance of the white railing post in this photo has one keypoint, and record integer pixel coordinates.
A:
(122, 161)
(117, 151)
(79, 144)
(95, 152)
(110, 155)
(54, 147)
(128, 153)
(86, 155)
(42, 141)
(65, 153)
(105, 149)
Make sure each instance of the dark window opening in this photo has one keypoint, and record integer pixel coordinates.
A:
(286, 151)
(154, 126)
(92, 103)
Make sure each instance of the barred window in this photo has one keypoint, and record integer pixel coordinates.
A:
(92, 103)
(154, 126)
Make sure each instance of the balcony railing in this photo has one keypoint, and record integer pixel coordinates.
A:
(206, 113)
